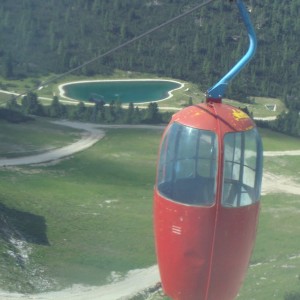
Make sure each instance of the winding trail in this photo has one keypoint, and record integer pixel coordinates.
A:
(93, 133)
(136, 281)
(87, 140)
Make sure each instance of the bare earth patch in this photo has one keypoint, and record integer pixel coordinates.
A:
(279, 184)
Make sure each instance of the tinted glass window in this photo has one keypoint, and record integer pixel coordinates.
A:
(188, 165)
(242, 168)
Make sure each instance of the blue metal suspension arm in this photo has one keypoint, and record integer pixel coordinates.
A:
(218, 90)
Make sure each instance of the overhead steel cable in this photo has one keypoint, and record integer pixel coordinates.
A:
(172, 20)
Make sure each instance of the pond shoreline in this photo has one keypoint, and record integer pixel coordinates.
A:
(62, 92)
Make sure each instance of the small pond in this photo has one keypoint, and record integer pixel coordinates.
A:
(125, 91)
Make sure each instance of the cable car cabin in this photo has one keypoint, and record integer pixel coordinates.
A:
(206, 201)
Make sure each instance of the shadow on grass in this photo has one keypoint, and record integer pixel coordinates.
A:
(22, 226)
(292, 296)
(19, 272)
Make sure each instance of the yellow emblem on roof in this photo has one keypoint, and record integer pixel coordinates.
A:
(239, 115)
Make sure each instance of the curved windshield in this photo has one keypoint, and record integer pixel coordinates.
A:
(242, 168)
(188, 165)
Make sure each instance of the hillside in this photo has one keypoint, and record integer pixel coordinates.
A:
(37, 37)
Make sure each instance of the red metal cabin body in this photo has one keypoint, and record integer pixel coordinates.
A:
(206, 201)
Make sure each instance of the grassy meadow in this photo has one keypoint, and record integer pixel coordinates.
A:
(91, 215)
(33, 137)
(95, 208)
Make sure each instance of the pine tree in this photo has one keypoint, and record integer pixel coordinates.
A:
(152, 114)
(129, 114)
(31, 105)
(137, 117)
(55, 110)
(12, 104)
(9, 68)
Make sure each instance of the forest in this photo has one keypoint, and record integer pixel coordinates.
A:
(112, 113)
(39, 37)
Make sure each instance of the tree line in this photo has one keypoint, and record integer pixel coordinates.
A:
(115, 113)
(100, 112)
(287, 123)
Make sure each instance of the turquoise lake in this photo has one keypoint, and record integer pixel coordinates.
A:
(136, 91)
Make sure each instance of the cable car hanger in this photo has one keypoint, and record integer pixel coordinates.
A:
(216, 92)
(207, 194)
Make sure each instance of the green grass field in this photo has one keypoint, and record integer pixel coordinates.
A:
(274, 141)
(33, 137)
(92, 214)
(96, 207)
(275, 264)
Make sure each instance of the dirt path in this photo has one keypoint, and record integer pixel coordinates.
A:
(91, 136)
(282, 153)
(279, 184)
(87, 140)
(136, 281)
(93, 133)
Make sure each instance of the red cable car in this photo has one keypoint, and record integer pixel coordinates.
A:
(206, 198)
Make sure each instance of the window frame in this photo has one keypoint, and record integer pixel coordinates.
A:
(172, 156)
(238, 187)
